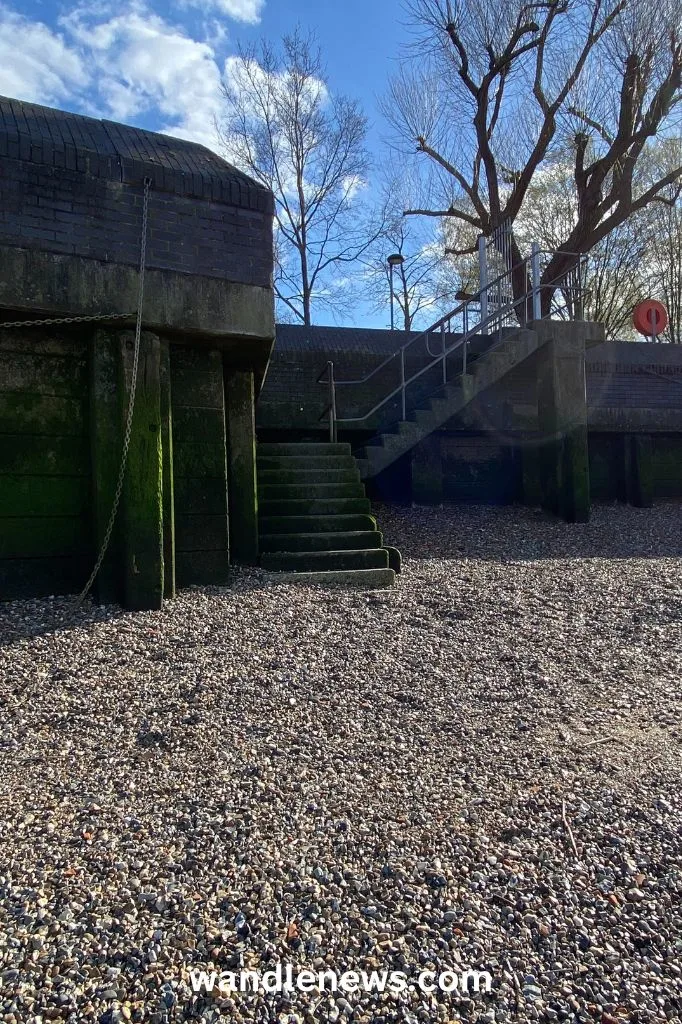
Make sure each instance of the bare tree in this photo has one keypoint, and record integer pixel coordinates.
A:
(616, 275)
(425, 280)
(496, 89)
(284, 127)
(666, 242)
(667, 266)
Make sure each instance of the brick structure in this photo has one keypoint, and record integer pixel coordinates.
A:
(71, 202)
(488, 453)
(71, 184)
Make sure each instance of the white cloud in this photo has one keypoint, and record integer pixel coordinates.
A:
(240, 10)
(145, 65)
(122, 62)
(354, 184)
(36, 63)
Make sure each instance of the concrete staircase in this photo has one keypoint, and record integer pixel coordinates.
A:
(314, 518)
(487, 369)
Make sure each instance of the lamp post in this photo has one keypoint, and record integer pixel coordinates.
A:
(395, 260)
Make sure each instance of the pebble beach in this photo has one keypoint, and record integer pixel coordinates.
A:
(479, 767)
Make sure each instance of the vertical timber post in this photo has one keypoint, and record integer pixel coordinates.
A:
(427, 471)
(535, 277)
(638, 474)
(242, 486)
(562, 414)
(106, 440)
(168, 486)
(142, 497)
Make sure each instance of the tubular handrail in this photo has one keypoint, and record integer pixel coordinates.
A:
(459, 343)
(331, 408)
(430, 330)
(498, 315)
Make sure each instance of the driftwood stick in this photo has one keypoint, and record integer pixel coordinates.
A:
(595, 743)
(568, 828)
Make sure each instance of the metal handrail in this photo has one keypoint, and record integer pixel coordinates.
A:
(430, 330)
(461, 342)
(498, 315)
(331, 408)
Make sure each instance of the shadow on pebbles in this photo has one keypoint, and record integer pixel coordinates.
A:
(477, 768)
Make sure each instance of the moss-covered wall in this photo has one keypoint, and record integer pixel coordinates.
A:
(479, 468)
(607, 467)
(200, 465)
(63, 400)
(485, 468)
(45, 538)
(618, 465)
(666, 465)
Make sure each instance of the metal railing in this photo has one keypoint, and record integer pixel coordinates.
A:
(494, 316)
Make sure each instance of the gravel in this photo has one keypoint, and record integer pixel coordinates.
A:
(480, 766)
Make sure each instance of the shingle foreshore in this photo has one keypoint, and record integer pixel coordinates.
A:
(478, 767)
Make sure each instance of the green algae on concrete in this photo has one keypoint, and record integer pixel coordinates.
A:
(142, 498)
(106, 445)
(562, 420)
(167, 473)
(241, 466)
(427, 471)
(199, 466)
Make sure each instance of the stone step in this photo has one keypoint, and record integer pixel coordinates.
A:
(385, 448)
(352, 540)
(302, 448)
(317, 463)
(312, 506)
(323, 561)
(423, 417)
(313, 489)
(304, 476)
(363, 579)
(316, 524)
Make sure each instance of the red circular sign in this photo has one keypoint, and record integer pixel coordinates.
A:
(650, 317)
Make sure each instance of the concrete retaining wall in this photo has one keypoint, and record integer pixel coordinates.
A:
(62, 412)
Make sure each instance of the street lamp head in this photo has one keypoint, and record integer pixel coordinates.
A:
(395, 259)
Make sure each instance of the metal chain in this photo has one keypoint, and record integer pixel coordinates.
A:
(131, 404)
(66, 320)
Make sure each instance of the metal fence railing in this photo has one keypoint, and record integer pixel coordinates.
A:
(499, 305)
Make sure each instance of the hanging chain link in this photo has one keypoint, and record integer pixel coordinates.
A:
(131, 405)
(133, 385)
(66, 320)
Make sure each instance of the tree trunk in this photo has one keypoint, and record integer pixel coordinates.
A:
(556, 276)
(305, 283)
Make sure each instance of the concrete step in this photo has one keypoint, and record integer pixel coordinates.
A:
(318, 463)
(409, 430)
(305, 476)
(302, 448)
(323, 561)
(351, 489)
(316, 524)
(363, 579)
(385, 448)
(312, 506)
(351, 540)
(422, 417)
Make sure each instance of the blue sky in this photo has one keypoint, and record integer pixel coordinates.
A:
(159, 65)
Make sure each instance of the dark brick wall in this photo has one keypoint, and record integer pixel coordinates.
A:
(623, 375)
(63, 211)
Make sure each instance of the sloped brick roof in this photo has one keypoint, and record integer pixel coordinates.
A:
(106, 149)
